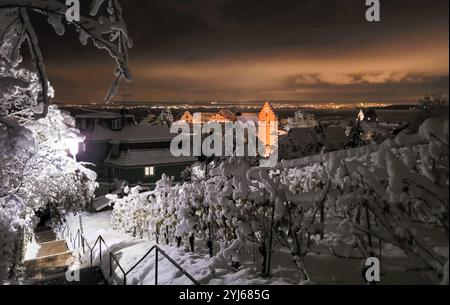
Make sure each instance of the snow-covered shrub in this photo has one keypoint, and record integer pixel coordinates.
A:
(382, 192)
(13, 217)
(390, 195)
(237, 204)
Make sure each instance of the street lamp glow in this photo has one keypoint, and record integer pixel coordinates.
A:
(73, 147)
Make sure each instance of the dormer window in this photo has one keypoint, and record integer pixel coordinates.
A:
(117, 124)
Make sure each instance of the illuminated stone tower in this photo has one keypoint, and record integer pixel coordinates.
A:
(267, 126)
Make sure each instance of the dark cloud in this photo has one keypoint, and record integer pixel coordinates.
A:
(240, 49)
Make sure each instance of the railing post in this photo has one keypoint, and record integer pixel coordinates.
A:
(110, 264)
(124, 279)
(100, 242)
(156, 266)
(91, 255)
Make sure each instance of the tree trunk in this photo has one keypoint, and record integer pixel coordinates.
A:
(263, 251)
(192, 242)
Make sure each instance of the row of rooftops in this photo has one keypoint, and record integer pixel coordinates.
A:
(131, 133)
(139, 157)
(226, 115)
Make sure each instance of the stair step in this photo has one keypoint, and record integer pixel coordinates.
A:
(45, 236)
(42, 228)
(88, 276)
(45, 264)
(52, 247)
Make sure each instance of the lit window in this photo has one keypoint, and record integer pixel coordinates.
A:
(149, 171)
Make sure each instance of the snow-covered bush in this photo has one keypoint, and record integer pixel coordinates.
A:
(383, 192)
(234, 206)
(13, 218)
(397, 191)
(386, 192)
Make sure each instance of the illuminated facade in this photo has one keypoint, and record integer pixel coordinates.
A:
(267, 125)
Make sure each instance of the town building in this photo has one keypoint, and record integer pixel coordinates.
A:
(264, 117)
(301, 119)
(118, 148)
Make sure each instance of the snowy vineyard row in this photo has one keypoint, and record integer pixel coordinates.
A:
(379, 194)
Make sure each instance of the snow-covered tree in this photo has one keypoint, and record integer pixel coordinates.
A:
(354, 134)
(300, 119)
(35, 138)
(107, 32)
(165, 118)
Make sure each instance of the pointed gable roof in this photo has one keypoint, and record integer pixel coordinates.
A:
(267, 112)
(226, 113)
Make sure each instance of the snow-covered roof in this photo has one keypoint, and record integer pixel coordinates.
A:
(100, 203)
(205, 116)
(140, 157)
(248, 116)
(226, 113)
(132, 133)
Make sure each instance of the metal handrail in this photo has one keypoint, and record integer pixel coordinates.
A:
(158, 249)
(79, 237)
(99, 241)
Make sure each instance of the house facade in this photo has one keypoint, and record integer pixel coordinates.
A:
(120, 149)
(264, 117)
(145, 166)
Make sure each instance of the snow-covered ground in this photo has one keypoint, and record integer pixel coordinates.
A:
(323, 268)
(129, 250)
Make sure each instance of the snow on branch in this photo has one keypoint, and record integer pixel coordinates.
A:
(106, 32)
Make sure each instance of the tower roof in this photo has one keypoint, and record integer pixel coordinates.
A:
(267, 104)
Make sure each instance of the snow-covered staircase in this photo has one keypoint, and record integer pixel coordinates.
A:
(53, 260)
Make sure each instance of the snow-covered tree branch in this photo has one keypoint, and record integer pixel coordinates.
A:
(106, 32)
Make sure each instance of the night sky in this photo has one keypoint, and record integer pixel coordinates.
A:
(306, 50)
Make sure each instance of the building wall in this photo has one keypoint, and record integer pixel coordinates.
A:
(134, 175)
(95, 152)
